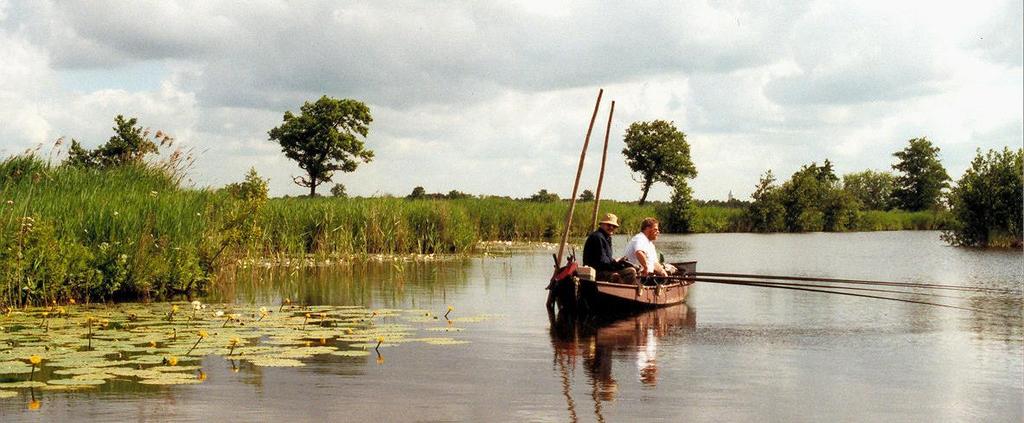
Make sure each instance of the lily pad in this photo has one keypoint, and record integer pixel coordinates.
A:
(74, 381)
(275, 362)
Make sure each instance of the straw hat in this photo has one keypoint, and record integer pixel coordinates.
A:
(610, 219)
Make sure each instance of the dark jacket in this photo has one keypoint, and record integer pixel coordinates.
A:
(597, 252)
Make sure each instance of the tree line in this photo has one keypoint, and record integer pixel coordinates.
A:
(327, 136)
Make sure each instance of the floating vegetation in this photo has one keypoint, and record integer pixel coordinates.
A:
(74, 347)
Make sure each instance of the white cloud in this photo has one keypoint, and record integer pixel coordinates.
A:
(495, 98)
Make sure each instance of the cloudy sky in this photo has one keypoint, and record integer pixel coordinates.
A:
(494, 98)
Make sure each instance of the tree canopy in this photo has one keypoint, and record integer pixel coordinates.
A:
(130, 144)
(326, 136)
(872, 189)
(658, 152)
(922, 178)
(987, 201)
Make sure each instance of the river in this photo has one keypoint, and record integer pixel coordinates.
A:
(732, 353)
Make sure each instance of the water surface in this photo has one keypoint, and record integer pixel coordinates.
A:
(731, 353)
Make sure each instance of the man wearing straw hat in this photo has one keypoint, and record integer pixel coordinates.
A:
(597, 253)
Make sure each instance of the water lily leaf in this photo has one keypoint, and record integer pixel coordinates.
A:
(275, 362)
(351, 353)
(14, 367)
(76, 381)
(171, 381)
(22, 384)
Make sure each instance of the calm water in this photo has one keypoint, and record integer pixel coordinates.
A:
(732, 353)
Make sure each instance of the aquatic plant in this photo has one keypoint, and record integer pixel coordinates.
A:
(108, 346)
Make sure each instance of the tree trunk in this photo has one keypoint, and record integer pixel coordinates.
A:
(312, 186)
(647, 187)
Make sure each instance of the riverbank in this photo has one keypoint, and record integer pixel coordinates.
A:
(136, 233)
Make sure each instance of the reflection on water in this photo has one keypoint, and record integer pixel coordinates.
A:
(598, 340)
(385, 283)
(757, 354)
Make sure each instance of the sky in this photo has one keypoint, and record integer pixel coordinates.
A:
(495, 97)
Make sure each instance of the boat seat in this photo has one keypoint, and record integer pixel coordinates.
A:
(586, 273)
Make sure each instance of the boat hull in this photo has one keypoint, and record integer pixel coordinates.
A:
(582, 295)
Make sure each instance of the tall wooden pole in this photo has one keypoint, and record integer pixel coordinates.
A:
(576, 184)
(572, 202)
(600, 178)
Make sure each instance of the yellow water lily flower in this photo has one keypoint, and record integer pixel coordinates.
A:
(203, 334)
(35, 359)
(172, 361)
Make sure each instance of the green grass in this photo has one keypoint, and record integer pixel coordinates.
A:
(898, 220)
(132, 232)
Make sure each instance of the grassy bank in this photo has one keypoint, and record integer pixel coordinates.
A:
(132, 232)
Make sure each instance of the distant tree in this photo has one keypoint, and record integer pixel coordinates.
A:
(988, 201)
(338, 191)
(253, 188)
(811, 200)
(456, 195)
(327, 136)
(922, 178)
(543, 196)
(587, 195)
(417, 193)
(680, 209)
(658, 152)
(766, 213)
(129, 145)
(873, 189)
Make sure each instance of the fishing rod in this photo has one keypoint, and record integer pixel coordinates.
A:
(861, 282)
(799, 288)
(845, 288)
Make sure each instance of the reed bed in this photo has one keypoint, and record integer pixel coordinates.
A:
(132, 232)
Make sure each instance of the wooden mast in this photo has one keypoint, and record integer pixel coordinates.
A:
(600, 178)
(572, 201)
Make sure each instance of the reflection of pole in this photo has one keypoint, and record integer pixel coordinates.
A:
(566, 391)
(600, 178)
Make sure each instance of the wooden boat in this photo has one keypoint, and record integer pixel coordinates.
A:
(575, 289)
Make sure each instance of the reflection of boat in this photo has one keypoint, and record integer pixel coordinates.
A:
(575, 288)
(596, 339)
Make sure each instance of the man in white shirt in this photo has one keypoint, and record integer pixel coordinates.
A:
(641, 251)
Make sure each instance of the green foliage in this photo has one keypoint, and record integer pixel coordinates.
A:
(766, 213)
(253, 188)
(679, 212)
(417, 193)
(324, 138)
(129, 145)
(987, 201)
(872, 189)
(457, 195)
(810, 201)
(922, 178)
(338, 191)
(543, 196)
(587, 195)
(658, 152)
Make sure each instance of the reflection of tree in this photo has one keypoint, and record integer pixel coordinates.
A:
(361, 282)
(1004, 320)
(599, 339)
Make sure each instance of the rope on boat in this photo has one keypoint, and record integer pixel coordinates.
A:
(860, 282)
(845, 288)
(808, 289)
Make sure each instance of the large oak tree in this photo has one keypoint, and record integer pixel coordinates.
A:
(658, 152)
(326, 136)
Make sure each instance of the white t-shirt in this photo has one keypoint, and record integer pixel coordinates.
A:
(641, 243)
